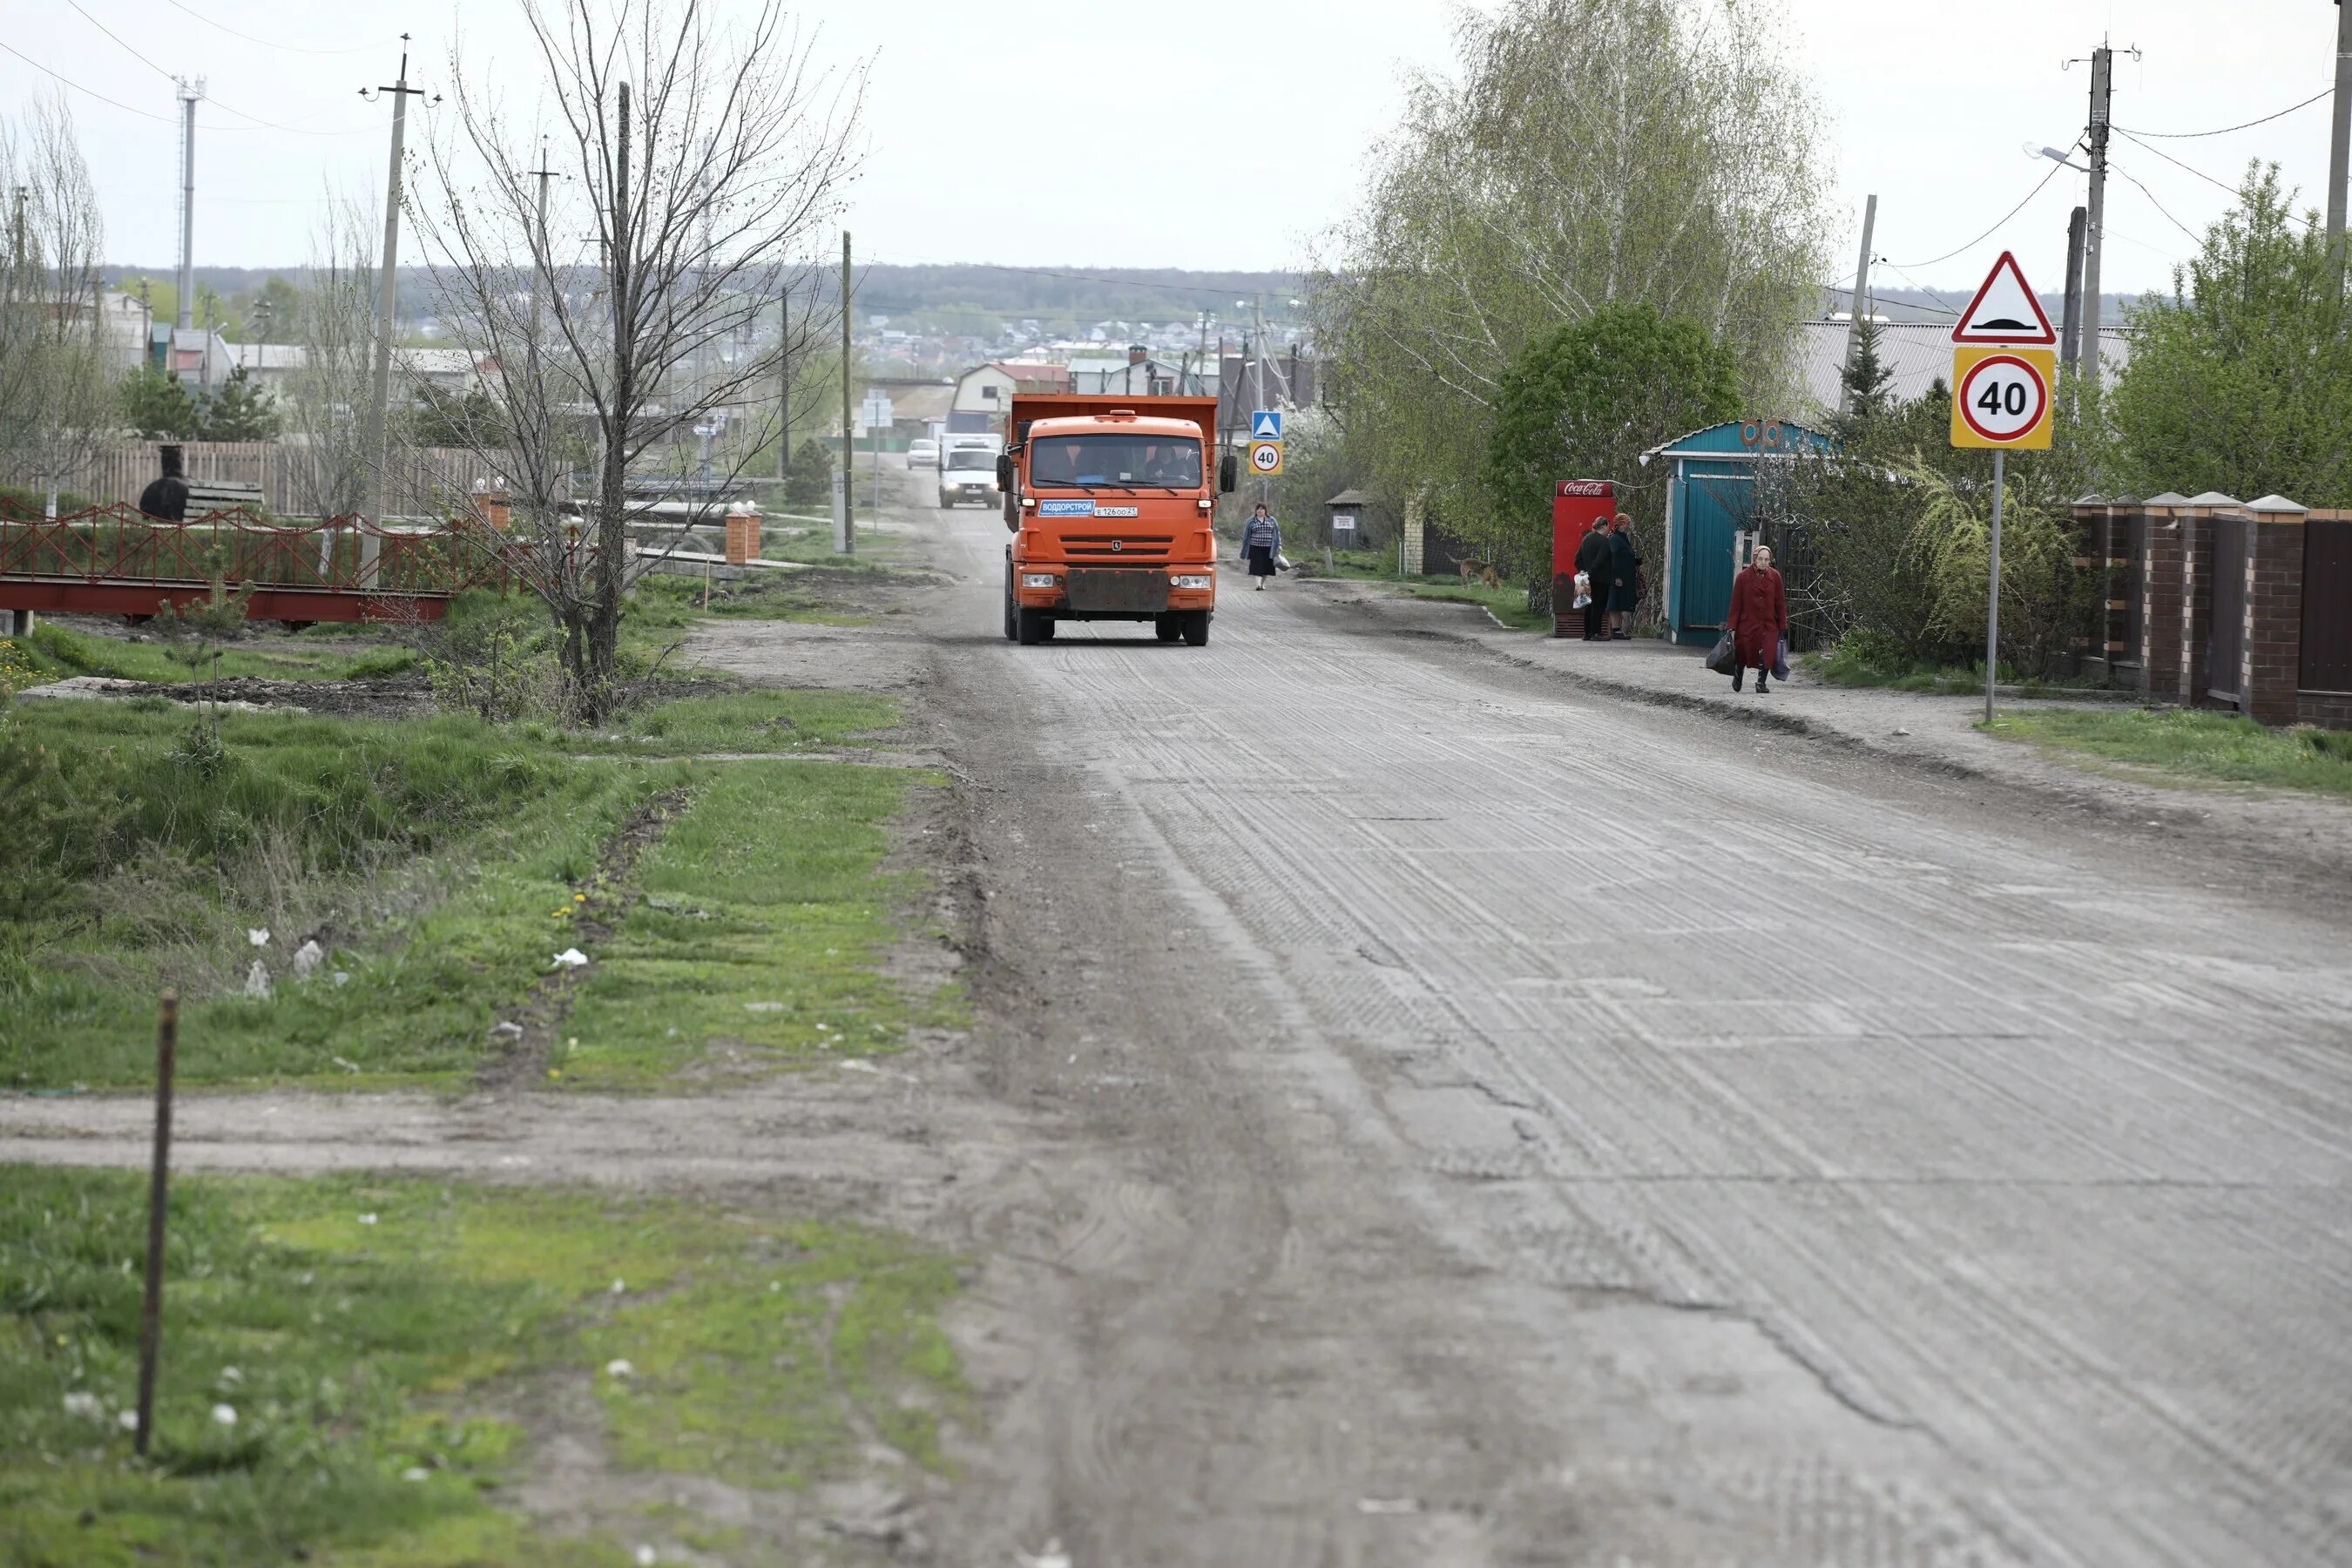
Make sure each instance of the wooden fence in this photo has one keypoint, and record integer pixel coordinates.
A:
(422, 482)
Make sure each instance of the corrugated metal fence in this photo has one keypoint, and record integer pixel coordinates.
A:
(420, 484)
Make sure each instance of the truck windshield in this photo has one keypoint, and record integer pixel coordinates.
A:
(971, 458)
(1170, 462)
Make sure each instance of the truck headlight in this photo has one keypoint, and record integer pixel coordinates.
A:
(1036, 579)
(1192, 581)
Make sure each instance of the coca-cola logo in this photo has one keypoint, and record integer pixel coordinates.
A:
(1584, 486)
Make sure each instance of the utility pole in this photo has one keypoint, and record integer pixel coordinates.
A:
(2070, 327)
(189, 93)
(541, 268)
(387, 290)
(1861, 294)
(784, 384)
(2339, 139)
(848, 539)
(2094, 243)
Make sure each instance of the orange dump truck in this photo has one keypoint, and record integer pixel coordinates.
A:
(1111, 501)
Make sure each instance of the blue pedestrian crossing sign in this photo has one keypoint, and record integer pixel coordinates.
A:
(1265, 425)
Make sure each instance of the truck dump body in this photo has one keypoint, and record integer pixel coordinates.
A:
(1111, 501)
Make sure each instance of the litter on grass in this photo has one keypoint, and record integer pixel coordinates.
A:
(569, 958)
(257, 980)
(307, 958)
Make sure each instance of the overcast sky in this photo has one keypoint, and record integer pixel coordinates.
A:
(1927, 104)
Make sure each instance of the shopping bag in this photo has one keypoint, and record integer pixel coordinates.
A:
(1724, 659)
(1780, 661)
(1583, 589)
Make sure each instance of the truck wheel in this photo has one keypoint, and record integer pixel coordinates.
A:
(1012, 609)
(945, 501)
(1032, 626)
(1196, 628)
(1168, 629)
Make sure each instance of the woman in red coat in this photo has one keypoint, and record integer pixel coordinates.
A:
(1759, 618)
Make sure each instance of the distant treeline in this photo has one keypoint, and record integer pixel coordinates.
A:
(1056, 296)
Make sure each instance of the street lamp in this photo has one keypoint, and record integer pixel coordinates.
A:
(2055, 155)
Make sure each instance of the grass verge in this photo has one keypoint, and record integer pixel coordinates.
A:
(741, 720)
(56, 653)
(759, 935)
(344, 1359)
(428, 858)
(2193, 747)
(1509, 604)
(676, 602)
(1859, 660)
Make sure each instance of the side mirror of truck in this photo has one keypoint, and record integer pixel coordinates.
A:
(1229, 474)
(1005, 472)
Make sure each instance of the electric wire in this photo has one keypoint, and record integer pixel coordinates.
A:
(217, 104)
(2004, 218)
(77, 87)
(268, 43)
(2265, 119)
(2199, 172)
(2194, 238)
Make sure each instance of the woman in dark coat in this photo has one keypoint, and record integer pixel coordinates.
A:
(1758, 619)
(1262, 544)
(1624, 577)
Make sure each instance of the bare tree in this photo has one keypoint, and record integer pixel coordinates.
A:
(324, 453)
(700, 163)
(56, 392)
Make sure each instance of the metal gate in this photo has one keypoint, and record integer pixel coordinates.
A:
(2225, 633)
(2326, 606)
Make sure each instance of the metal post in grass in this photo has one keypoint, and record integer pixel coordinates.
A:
(1992, 588)
(150, 1315)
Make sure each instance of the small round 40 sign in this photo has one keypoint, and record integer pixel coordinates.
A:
(2001, 397)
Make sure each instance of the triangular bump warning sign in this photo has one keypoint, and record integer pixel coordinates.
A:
(2005, 310)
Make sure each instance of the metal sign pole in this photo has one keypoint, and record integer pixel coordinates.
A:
(1992, 594)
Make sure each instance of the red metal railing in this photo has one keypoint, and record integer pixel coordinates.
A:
(116, 560)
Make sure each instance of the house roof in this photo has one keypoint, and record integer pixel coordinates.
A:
(1729, 440)
(268, 357)
(1349, 497)
(1917, 355)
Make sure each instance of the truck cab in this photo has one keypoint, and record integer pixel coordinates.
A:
(1111, 501)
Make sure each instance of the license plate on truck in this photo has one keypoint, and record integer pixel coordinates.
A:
(1144, 592)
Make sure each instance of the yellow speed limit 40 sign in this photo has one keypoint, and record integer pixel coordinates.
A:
(2001, 397)
(1265, 457)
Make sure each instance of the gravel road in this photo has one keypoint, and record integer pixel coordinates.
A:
(1423, 1112)
(1514, 1126)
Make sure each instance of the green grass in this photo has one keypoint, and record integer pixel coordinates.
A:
(432, 853)
(677, 601)
(755, 945)
(1863, 661)
(749, 720)
(56, 653)
(2193, 747)
(1509, 604)
(377, 1341)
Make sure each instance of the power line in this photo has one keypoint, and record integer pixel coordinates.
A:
(1904, 304)
(1948, 309)
(268, 43)
(167, 76)
(2199, 172)
(79, 89)
(2265, 119)
(2004, 218)
(2194, 238)
(1065, 277)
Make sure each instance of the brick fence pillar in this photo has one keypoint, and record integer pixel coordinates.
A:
(2196, 599)
(2160, 619)
(2274, 667)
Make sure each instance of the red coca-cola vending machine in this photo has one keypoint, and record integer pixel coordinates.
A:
(1574, 505)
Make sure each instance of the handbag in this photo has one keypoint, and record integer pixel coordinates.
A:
(1780, 661)
(1583, 589)
(1724, 659)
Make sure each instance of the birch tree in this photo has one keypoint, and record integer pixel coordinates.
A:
(56, 392)
(1586, 153)
(324, 453)
(702, 165)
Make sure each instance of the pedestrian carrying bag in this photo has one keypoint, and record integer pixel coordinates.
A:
(1780, 661)
(1583, 589)
(1724, 659)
